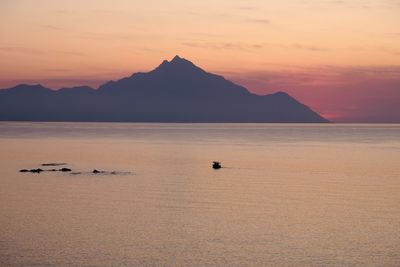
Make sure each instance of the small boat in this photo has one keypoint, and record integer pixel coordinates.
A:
(216, 165)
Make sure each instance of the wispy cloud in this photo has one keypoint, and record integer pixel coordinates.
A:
(390, 50)
(72, 53)
(52, 27)
(112, 36)
(247, 8)
(339, 2)
(217, 46)
(38, 52)
(57, 70)
(390, 3)
(93, 35)
(254, 46)
(208, 35)
(298, 46)
(63, 11)
(209, 15)
(261, 21)
(223, 45)
(308, 47)
(303, 79)
(22, 50)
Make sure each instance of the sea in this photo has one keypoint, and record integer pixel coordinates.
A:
(286, 195)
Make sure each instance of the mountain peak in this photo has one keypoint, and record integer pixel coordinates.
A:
(178, 64)
(177, 59)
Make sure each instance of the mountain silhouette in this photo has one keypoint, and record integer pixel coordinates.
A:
(175, 91)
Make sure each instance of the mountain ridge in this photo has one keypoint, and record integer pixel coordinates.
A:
(175, 91)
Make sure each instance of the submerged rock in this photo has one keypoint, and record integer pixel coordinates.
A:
(216, 165)
(53, 164)
(95, 171)
(38, 170)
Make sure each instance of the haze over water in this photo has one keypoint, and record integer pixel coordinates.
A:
(288, 195)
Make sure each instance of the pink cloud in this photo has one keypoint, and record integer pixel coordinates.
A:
(353, 94)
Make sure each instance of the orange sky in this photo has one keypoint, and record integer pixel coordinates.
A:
(318, 51)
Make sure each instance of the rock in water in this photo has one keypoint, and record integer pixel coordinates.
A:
(36, 170)
(53, 164)
(216, 165)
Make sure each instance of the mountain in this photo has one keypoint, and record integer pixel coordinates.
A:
(175, 91)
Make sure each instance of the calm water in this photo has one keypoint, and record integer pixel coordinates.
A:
(290, 195)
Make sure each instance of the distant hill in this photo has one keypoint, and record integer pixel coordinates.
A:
(176, 91)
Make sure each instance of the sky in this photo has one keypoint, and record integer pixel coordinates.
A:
(340, 57)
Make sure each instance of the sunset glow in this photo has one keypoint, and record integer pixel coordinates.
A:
(342, 58)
